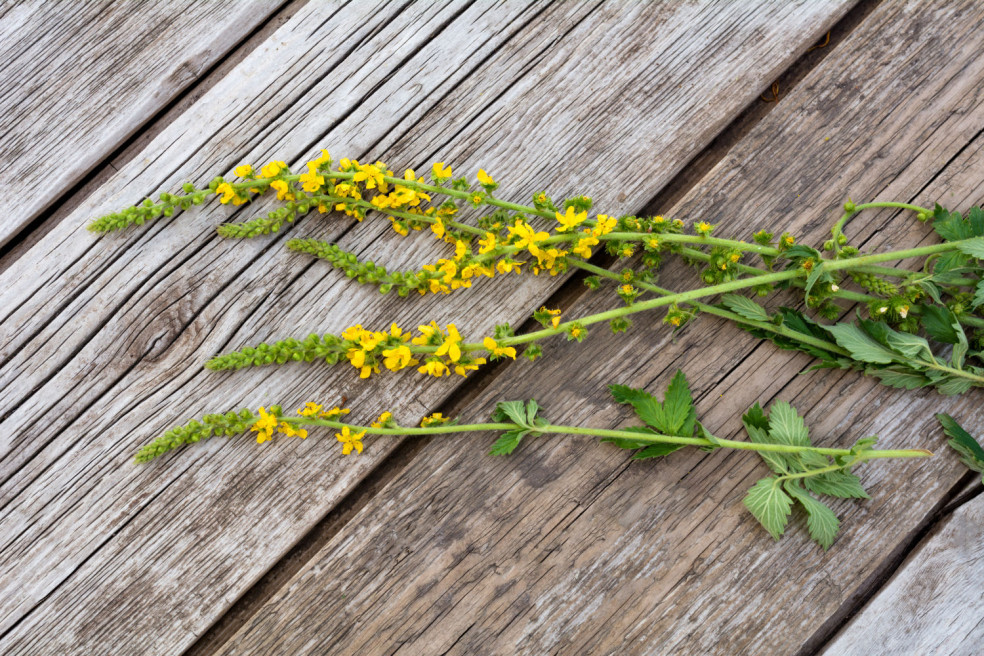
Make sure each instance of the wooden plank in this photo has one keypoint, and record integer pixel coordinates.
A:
(155, 308)
(77, 80)
(568, 546)
(934, 603)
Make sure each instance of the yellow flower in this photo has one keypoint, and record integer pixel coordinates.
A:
(384, 419)
(735, 257)
(334, 413)
(433, 420)
(505, 266)
(283, 190)
(264, 426)
(243, 170)
(441, 171)
(484, 178)
(497, 351)
(605, 225)
(582, 247)
(310, 409)
(703, 228)
(312, 180)
(428, 334)
(528, 237)
(554, 314)
(570, 219)
(350, 440)
(460, 249)
(290, 431)
(324, 158)
(462, 368)
(438, 228)
(434, 367)
(575, 331)
(371, 175)
(788, 240)
(398, 358)
(227, 192)
(652, 243)
(487, 243)
(273, 169)
(451, 346)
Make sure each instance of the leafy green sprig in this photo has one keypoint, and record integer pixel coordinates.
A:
(780, 438)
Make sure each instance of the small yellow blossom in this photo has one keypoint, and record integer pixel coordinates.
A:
(371, 175)
(433, 420)
(290, 431)
(452, 344)
(652, 242)
(788, 240)
(310, 409)
(703, 228)
(227, 192)
(312, 180)
(273, 169)
(554, 314)
(487, 243)
(497, 351)
(462, 368)
(243, 170)
(283, 190)
(398, 358)
(570, 219)
(434, 367)
(506, 265)
(605, 225)
(350, 440)
(528, 237)
(484, 178)
(264, 426)
(441, 171)
(384, 419)
(334, 413)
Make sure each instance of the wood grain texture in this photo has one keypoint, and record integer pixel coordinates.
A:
(107, 335)
(569, 547)
(78, 79)
(935, 603)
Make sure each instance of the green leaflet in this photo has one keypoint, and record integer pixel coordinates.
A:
(769, 505)
(508, 442)
(821, 521)
(842, 484)
(974, 248)
(675, 416)
(970, 450)
(978, 294)
(861, 346)
(744, 307)
(938, 322)
(525, 415)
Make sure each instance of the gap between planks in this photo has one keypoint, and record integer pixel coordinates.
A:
(564, 297)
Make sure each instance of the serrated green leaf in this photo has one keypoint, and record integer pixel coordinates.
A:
(950, 266)
(508, 442)
(678, 407)
(510, 411)
(649, 410)
(978, 294)
(777, 462)
(745, 307)
(532, 407)
(702, 432)
(975, 217)
(814, 276)
(657, 451)
(864, 444)
(769, 505)
(842, 484)
(911, 346)
(932, 290)
(970, 450)
(860, 344)
(973, 247)
(900, 379)
(938, 322)
(952, 227)
(953, 385)
(756, 417)
(786, 426)
(820, 520)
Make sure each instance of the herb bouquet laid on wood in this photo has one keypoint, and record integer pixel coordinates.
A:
(924, 328)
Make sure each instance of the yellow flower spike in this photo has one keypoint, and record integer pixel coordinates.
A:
(310, 409)
(484, 178)
(496, 350)
(243, 170)
(273, 169)
(383, 420)
(434, 420)
(350, 441)
(571, 219)
(434, 367)
(441, 171)
(264, 426)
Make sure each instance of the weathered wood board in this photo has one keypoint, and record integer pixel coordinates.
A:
(935, 603)
(567, 545)
(78, 79)
(107, 335)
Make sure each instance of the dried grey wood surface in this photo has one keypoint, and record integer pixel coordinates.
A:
(77, 79)
(566, 546)
(935, 603)
(104, 336)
